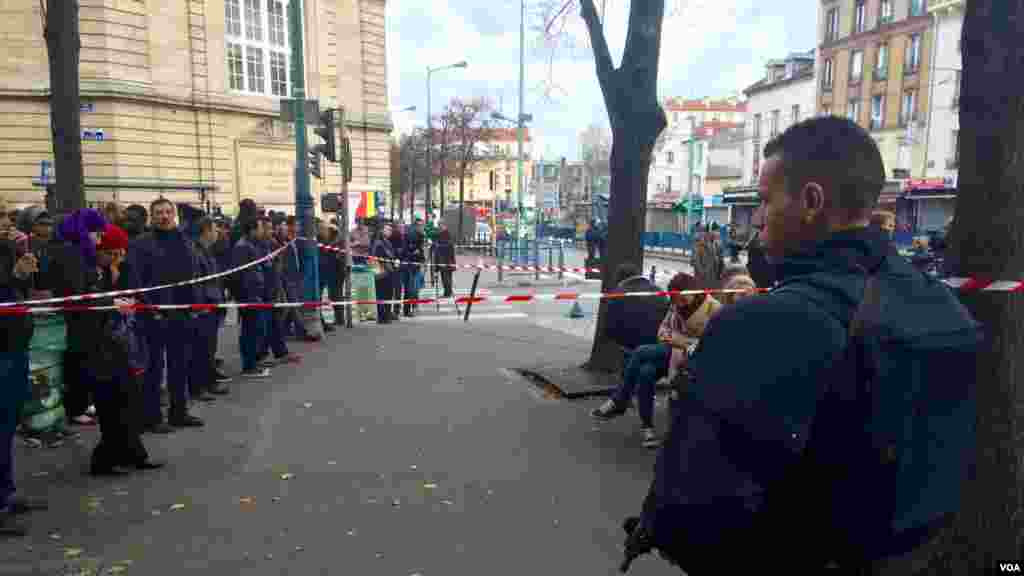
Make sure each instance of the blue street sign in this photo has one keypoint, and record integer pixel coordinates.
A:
(94, 135)
(45, 172)
(88, 107)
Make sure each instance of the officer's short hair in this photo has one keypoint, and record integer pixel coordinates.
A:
(836, 153)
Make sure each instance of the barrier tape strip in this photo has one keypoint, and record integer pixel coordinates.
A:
(960, 284)
(132, 291)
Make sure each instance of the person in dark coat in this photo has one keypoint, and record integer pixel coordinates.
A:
(16, 270)
(633, 322)
(75, 259)
(413, 257)
(330, 264)
(163, 256)
(397, 239)
(276, 293)
(740, 426)
(384, 262)
(206, 380)
(444, 259)
(250, 288)
(113, 366)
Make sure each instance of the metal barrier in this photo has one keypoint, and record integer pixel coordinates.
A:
(531, 253)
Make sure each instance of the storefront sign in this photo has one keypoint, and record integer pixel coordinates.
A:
(924, 183)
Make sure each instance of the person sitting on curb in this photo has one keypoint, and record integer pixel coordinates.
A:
(633, 322)
(679, 332)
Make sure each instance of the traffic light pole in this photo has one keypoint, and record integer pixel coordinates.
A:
(343, 210)
(303, 198)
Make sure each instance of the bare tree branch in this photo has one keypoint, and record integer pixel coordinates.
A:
(602, 56)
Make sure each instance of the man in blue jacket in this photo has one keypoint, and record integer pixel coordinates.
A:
(166, 255)
(733, 476)
(250, 288)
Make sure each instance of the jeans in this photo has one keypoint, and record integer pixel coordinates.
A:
(251, 337)
(170, 339)
(410, 283)
(384, 292)
(13, 376)
(273, 320)
(646, 365)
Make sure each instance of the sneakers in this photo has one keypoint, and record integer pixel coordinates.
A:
(289, 359)
(256, 373)
(222, 378)
(185, 421)
(608, 411)
(650, 438)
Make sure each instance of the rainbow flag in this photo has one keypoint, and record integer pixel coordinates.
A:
(367, 206)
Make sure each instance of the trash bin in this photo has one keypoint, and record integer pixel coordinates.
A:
(44, 411)
(364, 287)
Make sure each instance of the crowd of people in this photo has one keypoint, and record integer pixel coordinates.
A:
(135, 371)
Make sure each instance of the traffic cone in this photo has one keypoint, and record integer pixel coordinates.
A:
(576, 311)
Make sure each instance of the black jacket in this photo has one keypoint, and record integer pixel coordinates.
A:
(634, 321)
(251, 284)
(740, 426)
(159, 258)
(15, 330)
(762, 272)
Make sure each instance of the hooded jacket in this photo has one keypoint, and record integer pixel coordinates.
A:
(633, 322)
(163, 257)
(251, 285)
(740, 426)
(15, 330)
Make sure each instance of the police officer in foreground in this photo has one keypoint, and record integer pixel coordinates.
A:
(843, 437)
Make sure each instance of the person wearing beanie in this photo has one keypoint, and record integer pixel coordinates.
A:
(115, 365)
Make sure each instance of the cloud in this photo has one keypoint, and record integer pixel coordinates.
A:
(709, 48)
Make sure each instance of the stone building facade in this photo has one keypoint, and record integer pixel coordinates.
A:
(186, 94)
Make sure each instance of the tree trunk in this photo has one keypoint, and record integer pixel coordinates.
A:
(63, 45)
(987, 243)
(637, 118)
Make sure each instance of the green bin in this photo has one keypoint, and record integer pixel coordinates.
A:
(364, 287)
(44, 410)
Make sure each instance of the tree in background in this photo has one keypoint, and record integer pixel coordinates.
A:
(395, 162)
(470, 122)
(630, 94)
(596, 152)
(412, 154)
(987, 243)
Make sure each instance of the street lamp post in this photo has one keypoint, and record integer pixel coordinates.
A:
(430, 137)
(520, 124)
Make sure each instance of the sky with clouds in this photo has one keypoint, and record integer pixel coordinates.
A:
(709, 48)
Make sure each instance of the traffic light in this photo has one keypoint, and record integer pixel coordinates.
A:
(314, 162)
(329, 147)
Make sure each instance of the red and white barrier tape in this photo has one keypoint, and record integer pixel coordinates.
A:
(134, 291)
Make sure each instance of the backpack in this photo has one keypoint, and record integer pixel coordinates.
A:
(886, 491)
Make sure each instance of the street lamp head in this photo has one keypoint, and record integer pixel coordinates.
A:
(461, 64)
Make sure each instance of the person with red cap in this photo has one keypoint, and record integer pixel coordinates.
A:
(116, 364)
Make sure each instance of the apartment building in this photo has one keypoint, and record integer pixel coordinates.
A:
(785, 95)
(873, 67)
(684, 115)
(183, 98)
(498, 155)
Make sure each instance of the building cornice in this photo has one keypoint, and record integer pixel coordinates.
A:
(907, 25)
(806, 76)
(141, 94)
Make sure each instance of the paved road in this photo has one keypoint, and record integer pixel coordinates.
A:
(392, 450)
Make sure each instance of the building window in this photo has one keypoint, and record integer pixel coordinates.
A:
(796, 113)
(908, 113)
(253, 57)
(856, 65)
(913, 59)
(877, 111)
(832, 25)
(853, 110)
(859, 16)
(508, 180)
(233, 18)
(277, 37)
(757, 125)
(671, 157)
(916, 7)
(826, 75)
(278, 75)
(773, 127)
(668, 183)
(885, 12)
(236, 71)
(882, 62)
(254, 69)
